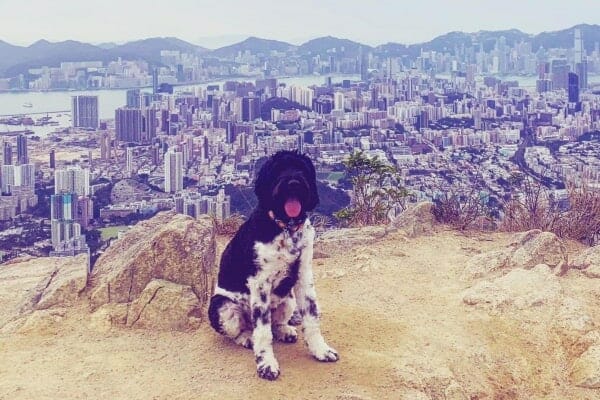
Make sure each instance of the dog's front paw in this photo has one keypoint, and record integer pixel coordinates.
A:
(326, 354)
(267, 370)
(285, 333)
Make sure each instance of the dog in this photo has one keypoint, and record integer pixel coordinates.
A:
(266, 273)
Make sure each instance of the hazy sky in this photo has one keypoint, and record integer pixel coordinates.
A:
(368, 21)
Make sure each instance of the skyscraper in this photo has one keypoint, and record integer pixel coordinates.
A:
(580, 58)
(250, 108)
(173, 171)
(72, 180)
(573, 88)
(135, 125)
(84, 111)
(22, 157)
(133, 98)
(7, 154)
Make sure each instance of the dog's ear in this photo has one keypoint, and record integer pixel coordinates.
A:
(262, 187)
(313, 198)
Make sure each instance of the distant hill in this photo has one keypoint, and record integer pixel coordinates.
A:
(18, 59)
(329, 44)
(254, 45)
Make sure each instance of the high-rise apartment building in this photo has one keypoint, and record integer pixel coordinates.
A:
(84, 111)
(17, 176)
(173, 171)
(7, 154)
(72, 180)
(135, 125)
(22, 156)
(133, 98)
(250, 108)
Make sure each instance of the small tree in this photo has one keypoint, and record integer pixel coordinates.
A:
(377, 191)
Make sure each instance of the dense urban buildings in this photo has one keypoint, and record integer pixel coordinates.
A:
(447, 120)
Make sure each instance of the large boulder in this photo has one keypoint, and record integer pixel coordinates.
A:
(40, 284)
(527, 250)
(416, 221)
(173, 248)
(536, 247)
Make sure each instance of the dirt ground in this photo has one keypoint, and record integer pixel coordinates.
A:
(393, 310)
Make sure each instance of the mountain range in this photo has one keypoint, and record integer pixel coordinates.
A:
(18, 59)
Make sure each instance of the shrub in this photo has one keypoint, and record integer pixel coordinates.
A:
(461, 207)
(377, 191)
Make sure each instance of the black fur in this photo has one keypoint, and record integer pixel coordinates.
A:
(239, 261)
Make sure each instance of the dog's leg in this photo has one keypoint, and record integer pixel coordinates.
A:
(262, 337)
(282, 314)
(306, 298)
(227, 317)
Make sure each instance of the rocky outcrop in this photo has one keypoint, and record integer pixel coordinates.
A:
(165, 263)
(526, 251)
(588, 262)
(519, 289)
(39, 284)
(416, 221)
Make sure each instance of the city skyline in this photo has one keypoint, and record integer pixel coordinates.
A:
(197, 22)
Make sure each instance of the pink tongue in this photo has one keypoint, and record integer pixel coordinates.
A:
(292, 208)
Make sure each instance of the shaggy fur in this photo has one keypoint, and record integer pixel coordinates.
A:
(266, 269)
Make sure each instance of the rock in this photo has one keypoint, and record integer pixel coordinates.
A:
(572, 319)
(42, 322)
(482, 264)
(171, 247)
(40, 283)
(589, 262)
(527, 250)
(65, 285)
(519, 289)
(416, 221)
(164, 305)
(412, 394)
(585, 371)
(537, 247)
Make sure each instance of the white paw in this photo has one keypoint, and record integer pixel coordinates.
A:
(325, 353)
(285, 333)
(267, 367)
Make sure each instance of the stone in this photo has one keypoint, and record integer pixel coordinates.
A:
(519, 289)
(535, 247)
(40, 283)
(416, 221)
(65, 286)
(169, 246)
(589, 262)
(481, 265)
(585, 371)
(165, 306)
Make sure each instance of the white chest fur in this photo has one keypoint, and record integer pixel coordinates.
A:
(275, 258)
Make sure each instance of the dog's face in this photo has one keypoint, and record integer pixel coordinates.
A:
(286, 184)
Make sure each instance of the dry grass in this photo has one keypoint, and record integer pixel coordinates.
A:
(535, 208)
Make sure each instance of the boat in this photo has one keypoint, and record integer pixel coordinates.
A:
(27, 104)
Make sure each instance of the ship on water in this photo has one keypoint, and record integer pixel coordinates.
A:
(27, 104)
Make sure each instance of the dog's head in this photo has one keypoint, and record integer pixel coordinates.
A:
(287, 185)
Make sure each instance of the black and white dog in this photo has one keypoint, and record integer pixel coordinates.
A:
(266, 269)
